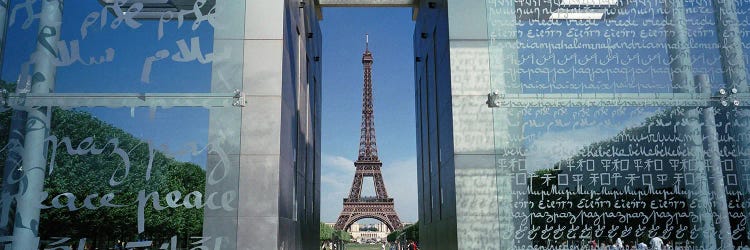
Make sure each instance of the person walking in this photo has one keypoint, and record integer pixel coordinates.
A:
(641, 246)
(593, 245)
(656, 243)
(413, 246)
(119, 245)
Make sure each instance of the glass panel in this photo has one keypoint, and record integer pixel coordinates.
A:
(122, 130)
(114, 175)
(584, 158)
(603, 173)
(113, 46)
(626, 50)
(743, 21)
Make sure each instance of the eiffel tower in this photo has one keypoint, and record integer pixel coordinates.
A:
(368, 164)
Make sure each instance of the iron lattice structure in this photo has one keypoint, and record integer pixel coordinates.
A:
(368, 164)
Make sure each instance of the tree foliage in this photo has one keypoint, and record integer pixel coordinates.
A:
(410, 233)
(343, 235)
(88, 174)
(328, 233)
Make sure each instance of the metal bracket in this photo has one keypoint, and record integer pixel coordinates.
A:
(727, 96)
(493, 99)
(3, 98)
(239, 99)
(115, 100)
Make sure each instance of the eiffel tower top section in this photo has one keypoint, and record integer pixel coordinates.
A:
(368, 148)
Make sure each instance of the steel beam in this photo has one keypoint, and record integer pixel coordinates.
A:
(114, 100)
(611, 100)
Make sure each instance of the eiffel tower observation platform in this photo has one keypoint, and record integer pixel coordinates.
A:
(368, 200)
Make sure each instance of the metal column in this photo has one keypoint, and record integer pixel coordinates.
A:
(716, 176)
(735, 77)
(26, 226)
(682, 82)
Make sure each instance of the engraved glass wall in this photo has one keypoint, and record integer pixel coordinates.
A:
(119, 124)
(620, 122)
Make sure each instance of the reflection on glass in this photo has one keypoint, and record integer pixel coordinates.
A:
(110, 177)
(112, 49)
(138, 173)
(624, 173)
(574, 170)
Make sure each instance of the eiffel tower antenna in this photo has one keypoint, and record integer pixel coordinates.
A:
(367, 42)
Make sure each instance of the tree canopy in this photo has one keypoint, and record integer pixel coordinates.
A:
(408, 233)
(328, 233)
(81, 175)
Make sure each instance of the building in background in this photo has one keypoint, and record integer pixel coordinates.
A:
(367, 233)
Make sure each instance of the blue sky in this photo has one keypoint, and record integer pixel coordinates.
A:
(391, 31)
(131, 46)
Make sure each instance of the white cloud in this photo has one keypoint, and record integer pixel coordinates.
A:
(551, 147)
(401, 183)
(339, 163)
(336, 177)
(330, 180)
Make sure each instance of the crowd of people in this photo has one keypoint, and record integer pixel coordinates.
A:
(411, 245)
(655, 243)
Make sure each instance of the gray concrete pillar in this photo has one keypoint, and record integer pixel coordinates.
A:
(26, 226)
(251, 33)
(225, 124)
(508, 132)
(478, 222)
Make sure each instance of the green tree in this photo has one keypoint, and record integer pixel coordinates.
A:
(407, 234)
(326, 232)
(393, 236)
(87, 174)
(343, 235)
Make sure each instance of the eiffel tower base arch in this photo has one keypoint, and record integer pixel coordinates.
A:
(383, 212)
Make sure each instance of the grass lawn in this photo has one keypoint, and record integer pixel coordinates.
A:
(363, 247)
